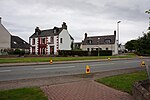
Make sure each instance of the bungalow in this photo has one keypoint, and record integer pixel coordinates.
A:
(50, 41)
(107, 42)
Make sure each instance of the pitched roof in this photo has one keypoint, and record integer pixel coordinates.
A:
(99, 40)
(48, 32)
(17, 42)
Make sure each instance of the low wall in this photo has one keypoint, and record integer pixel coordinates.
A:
(141, 90)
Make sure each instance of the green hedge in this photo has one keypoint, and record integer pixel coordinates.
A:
(102, 53)
(72, 53)
(84, 53)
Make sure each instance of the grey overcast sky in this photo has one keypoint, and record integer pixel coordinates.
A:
(95, 17)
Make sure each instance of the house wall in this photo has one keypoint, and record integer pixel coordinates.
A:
(103, 47)
(66, 40)
(35, 45)
(5, 38)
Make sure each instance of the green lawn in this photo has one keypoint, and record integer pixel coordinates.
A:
(23, 94)
(123, 82)
(47, 59)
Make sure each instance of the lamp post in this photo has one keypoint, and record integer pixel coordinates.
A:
(148, 12)
(118, 33)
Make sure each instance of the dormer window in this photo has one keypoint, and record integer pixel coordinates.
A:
(107, 41)
(55, 30)
(89, 41)
(15, 42)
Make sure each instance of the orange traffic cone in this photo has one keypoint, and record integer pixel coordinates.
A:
(142, 64)
(51, 62)
(87, 69)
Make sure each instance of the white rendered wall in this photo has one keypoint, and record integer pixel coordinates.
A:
(103, 47)
(66, 40)
(5, 38)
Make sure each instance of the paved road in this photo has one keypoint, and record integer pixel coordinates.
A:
(37, 71)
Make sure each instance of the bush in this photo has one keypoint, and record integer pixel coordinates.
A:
(102, 53)
(72, 53)
(84, 53)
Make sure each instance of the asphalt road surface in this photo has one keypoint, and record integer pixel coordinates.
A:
(38, 71)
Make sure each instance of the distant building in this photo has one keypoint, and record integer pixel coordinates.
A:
(50, 41)
(77, 45)
(107, 42)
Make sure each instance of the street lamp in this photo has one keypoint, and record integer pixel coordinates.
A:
(118, 33)
(148, 12)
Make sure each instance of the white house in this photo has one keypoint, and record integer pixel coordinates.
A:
(107, 42)
(8, 41)
(51, 40)
(5, 37)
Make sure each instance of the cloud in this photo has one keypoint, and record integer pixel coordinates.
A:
(96, 17)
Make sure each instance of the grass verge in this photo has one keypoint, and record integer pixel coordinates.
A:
(47, 59)
(23, 94)
(123, 82)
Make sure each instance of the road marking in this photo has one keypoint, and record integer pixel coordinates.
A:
(131, 62)
(102, 64)
(4, 71)
(54, 68)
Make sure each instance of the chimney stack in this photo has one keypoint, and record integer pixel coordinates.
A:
(64, 26)
(0, 20)
(37, 30)
(85, 35)
(115, 32)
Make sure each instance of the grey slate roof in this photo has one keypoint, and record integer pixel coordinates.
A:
(17, 42)
(99, 40)
(49, 32)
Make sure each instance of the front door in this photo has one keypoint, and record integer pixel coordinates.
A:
(51, 49)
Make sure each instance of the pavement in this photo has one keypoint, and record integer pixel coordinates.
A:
(84, 90)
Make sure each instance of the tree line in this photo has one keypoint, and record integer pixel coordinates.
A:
(140, 46)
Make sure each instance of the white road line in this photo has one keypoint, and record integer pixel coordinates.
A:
(4, 71)
(132, 62)
(54, 68)
(102, 64)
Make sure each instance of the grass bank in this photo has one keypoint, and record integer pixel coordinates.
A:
(123, 82)
(46, 59)
(23, 94)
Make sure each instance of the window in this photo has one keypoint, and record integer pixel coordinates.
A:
(52, 39)
(33, 41)
(107, 41)
(55, 30)
(88, 49)
(43, 40)
(60, 40)
(89, 41)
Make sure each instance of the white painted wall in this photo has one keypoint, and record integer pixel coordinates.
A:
(35, 45)
(109, 46)
(5, 38)
(66, 40)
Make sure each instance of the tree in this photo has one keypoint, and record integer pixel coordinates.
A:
(131, 45)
